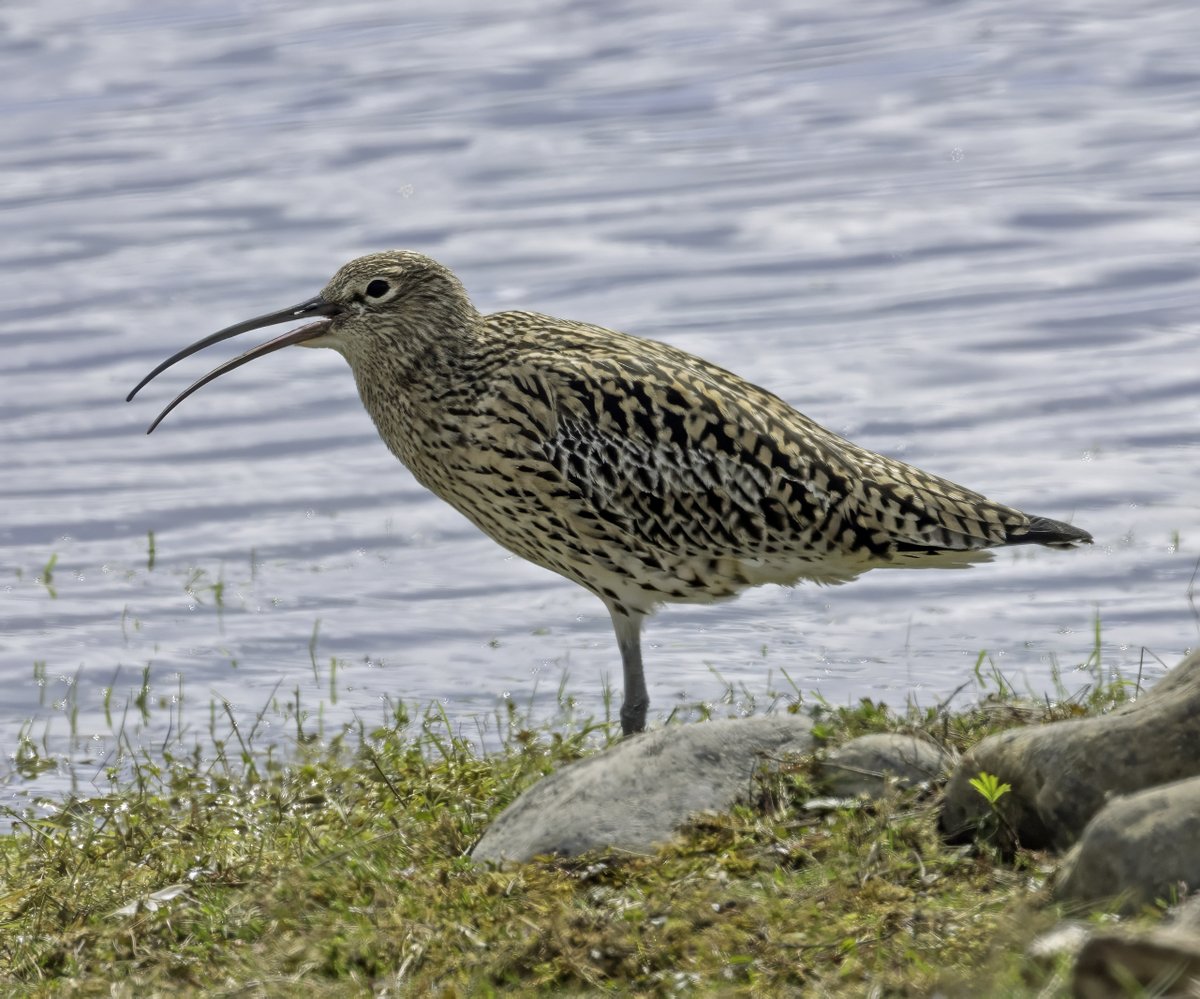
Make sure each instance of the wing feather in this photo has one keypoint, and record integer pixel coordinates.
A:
(684, 457)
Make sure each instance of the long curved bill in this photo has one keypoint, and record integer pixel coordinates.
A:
(313, 307)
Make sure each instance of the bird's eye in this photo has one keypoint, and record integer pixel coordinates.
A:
(378, 288)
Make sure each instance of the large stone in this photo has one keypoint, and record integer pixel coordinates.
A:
(1139, 848)
(1116, 961)
(872, 765)
(1164, 961)
(639, 792)
(1063, 773)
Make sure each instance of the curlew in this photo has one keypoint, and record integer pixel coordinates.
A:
(641, 472)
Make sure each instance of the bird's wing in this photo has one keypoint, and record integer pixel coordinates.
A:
(693, 460)
(921, 511)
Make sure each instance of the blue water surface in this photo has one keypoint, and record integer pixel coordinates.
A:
(965, 234)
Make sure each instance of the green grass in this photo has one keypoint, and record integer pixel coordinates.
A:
(336, 867)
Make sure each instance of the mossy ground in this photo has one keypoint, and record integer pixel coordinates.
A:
(341, 871)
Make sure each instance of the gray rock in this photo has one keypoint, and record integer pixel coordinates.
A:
(1163, 962)
(1067, 938)
(1139, 848)
(1187, 914)
(639, 792)
(1063, 773)
(872, 765)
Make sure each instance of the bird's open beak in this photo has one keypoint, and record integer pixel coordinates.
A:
(313, 307)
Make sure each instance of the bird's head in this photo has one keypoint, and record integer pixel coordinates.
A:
(396, 296)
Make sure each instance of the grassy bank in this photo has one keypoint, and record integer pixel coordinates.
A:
(340, 870)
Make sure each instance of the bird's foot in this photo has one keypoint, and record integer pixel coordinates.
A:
(633, 717)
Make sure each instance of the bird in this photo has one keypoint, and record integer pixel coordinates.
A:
(642, 472)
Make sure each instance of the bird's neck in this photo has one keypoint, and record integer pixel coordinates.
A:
(412, 381)
(416, 356)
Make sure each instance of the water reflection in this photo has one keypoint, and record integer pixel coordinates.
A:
(967, 240)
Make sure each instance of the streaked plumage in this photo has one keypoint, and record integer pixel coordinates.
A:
(641, 472)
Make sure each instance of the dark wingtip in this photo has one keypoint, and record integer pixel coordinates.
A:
(1054, 533)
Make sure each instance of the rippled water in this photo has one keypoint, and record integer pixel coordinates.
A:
(964, 234)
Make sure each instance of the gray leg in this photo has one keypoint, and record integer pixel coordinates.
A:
(628, 626)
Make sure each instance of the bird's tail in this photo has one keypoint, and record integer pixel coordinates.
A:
(1051, 533)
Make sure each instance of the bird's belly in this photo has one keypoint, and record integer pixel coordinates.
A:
(521, 503)
(552, 528)
(607, 563)
(559, 532)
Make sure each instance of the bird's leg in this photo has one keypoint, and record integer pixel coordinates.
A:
(628, 626)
